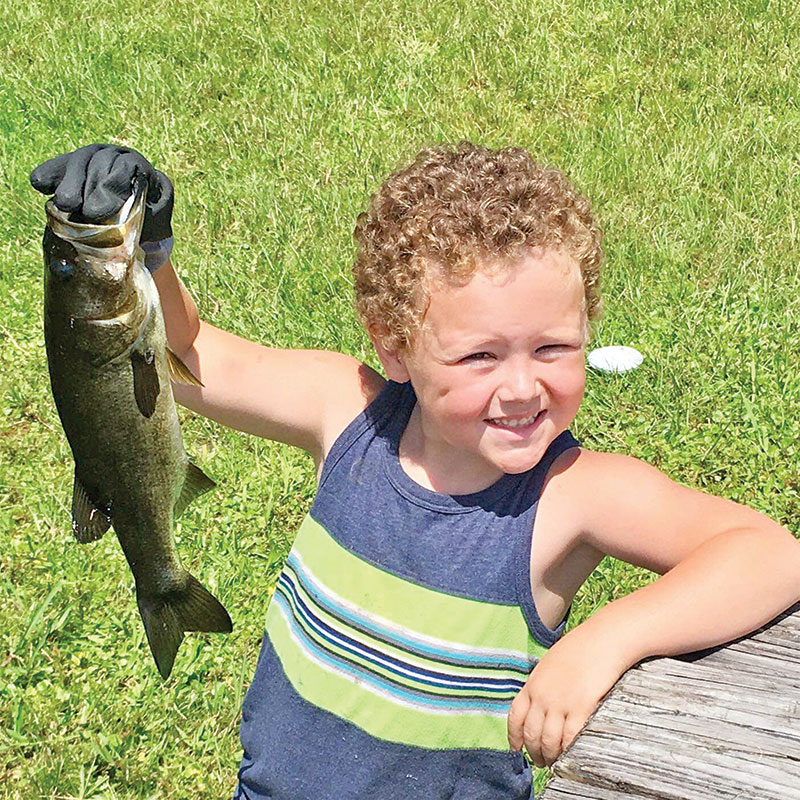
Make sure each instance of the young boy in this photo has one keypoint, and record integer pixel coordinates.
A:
(456, 517)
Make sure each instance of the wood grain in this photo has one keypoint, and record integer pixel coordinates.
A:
(720, 724)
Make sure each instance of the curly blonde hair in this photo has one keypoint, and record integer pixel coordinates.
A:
(452, 212)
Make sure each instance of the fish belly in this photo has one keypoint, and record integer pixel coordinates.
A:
(130, 464)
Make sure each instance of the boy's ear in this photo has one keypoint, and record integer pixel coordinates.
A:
(392, 360)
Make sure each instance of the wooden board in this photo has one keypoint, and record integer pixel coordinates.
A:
(723, 724)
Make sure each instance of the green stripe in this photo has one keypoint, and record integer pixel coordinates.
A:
(415, 608)
(377, 715)
(402, 654)
(406, 680)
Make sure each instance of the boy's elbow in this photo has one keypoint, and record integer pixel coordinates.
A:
(778, 551)
(790, 547)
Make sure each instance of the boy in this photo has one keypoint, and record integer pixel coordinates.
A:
(456, 517)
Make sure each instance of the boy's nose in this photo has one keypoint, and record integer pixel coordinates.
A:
(521, 384)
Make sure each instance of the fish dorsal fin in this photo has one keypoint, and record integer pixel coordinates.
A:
(89, 522)
(145, 381)
(179, 372)
(195, 483)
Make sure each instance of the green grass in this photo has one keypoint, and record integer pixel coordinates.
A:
(680, 120)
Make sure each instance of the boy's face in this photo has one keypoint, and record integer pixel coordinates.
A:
(498, 370)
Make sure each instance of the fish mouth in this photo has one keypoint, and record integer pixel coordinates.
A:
(119, 230)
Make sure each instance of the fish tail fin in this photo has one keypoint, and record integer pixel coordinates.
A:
(166, 616)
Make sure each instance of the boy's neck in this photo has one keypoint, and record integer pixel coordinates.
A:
(437, 465)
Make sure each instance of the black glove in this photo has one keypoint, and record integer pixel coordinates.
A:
(96, 180)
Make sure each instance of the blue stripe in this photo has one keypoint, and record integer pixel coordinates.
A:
(481, 660)
(402, 693)
(507, 682)
(378, 658)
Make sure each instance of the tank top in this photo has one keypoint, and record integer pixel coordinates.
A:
(400, 630)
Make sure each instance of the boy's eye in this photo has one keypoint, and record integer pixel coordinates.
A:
(552, 349)
(477, 357)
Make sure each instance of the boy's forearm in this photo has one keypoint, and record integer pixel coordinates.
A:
(180, 312)
(729, 586)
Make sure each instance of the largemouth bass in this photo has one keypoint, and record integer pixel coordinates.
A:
(110, 371)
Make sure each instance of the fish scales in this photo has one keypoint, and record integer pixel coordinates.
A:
(110, 371)
(129, 464)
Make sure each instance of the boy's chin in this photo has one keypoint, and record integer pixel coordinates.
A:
(520, 464)
(518, 470)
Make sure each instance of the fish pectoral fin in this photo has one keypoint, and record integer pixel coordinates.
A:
(179, 372)
(166, 616)
(195, 483)
(89, 522)
(145, 381)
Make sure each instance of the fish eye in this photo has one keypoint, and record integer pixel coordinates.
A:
(61, 268)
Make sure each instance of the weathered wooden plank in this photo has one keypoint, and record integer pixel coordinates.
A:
(703, 691)
(783, 651)
(739, 663)
(634, 759)
(755, 662)
(724, 723)
(761, 677)
(779, 638)
(723, 735)
(723, 738)
(561, 789)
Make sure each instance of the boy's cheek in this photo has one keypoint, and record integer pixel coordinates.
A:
(574, 376)
(465, 403)
(573, 389)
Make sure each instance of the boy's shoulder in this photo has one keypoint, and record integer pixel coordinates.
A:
(596, 503)
(354, 385)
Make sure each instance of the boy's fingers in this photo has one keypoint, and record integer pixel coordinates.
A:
(113, 184)
(516, 719)
(160, 193)
(98, 201)
(551, 736)
(532, 734)
(572, 727)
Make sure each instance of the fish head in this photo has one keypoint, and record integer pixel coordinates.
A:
(83, 284)
(90, 271)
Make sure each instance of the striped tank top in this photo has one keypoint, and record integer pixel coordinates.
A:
(400, 630)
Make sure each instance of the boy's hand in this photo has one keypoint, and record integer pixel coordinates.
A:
(561, 693)
(96, 180)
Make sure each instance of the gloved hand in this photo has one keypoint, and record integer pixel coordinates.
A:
(96, 180)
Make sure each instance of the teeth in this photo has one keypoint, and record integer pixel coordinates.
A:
(514, 423)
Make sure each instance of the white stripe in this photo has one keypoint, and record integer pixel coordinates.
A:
(501, 682)
(393, 630)
(312, 655)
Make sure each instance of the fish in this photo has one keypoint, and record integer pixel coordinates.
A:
(110, 369)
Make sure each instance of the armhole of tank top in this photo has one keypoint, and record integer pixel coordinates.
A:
(371, 417)
(545, 636)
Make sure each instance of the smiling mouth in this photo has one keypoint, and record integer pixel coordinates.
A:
(516, 423)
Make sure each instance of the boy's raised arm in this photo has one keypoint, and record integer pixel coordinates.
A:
(304, 398)
(181, 318)
(301, 397)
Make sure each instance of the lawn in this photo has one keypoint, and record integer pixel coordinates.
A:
(276, 122)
